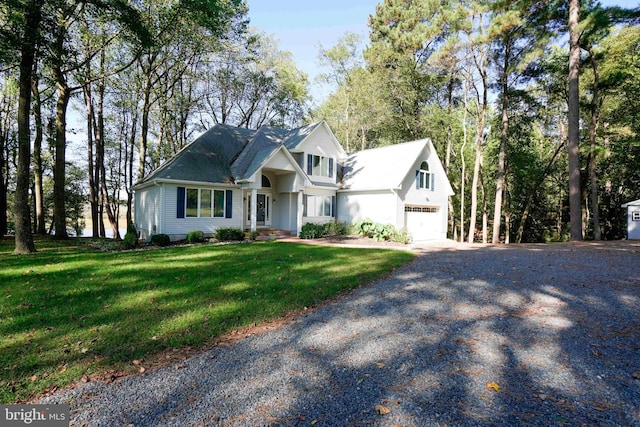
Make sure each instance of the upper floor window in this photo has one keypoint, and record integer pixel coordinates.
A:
(319, 165)
(424, 178)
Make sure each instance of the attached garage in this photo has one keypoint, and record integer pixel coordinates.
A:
(423, 222)
(403, 185)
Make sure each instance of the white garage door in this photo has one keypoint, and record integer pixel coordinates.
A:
(423, 222)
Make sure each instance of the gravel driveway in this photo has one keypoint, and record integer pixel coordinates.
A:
(538, 335)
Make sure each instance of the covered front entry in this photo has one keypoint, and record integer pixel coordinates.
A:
(272, 197)
(263, 212)
(274, 204)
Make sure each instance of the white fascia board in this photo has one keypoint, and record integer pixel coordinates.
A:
(368, 190)
(183, 182)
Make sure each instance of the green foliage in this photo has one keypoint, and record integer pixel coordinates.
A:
(207, 294)
(279, 90)
(364, 228)
(160, 239)
(312, 231)
(253, 235)
(130, 240)
(335, 228)
(401, 236)
(225, 234)
(374, 230)
(195, 236)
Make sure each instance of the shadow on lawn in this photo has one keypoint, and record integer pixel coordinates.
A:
(65, 316)
(524, 335)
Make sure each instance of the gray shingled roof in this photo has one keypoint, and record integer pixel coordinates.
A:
(226, 153)
(207, 159)
(296, 136)
(265, 142)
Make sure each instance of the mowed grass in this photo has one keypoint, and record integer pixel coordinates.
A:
(70, 311)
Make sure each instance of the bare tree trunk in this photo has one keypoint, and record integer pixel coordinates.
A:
(93, 175)
(593, 130)
(146, 109)
(346, 116)
(447, 157)
(64, 94)
(484, 210)
(462, 176)
(500, 179)
(24, 238)
(59, 209)
(573, 146)
(507, 228)
(113, 220)
(4, 172)
(476, 178)
(40, 225)
(129, 167)
(481, 135)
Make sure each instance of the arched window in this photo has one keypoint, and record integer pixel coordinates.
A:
(265, 182)
(424, 178)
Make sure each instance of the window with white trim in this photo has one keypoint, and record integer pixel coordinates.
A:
(320, 165)
(204, 203)
(424, 178)
(319, 206)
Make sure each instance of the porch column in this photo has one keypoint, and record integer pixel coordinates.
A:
(299, 215)
(254, 208)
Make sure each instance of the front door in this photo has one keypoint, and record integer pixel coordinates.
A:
(263, 209)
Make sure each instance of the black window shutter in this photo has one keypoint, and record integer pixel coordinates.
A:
(333, 206)
(180, 203)
(228, 204)
(309, 164)
(418, 179)
(330, 167)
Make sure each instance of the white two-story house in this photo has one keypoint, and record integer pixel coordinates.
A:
(281, 179)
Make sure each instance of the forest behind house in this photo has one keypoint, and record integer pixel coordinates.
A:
(532, 105)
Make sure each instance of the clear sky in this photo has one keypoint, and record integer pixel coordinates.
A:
(300, 26)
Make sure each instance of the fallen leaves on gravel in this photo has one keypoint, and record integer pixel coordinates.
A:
(493, 386)
(382, 410)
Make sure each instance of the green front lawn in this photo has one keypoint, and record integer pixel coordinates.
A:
(70, 311)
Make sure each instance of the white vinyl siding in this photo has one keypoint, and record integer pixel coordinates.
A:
(379, 206)
(200, 204)
(147, 211)
(178, 228)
